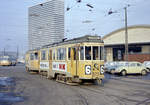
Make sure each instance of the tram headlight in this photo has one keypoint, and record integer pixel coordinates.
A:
(87, 69)
(102, 69)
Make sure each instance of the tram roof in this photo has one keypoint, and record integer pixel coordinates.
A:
(86, 38)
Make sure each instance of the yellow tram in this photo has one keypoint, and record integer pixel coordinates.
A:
(71, 61)
(32, 61)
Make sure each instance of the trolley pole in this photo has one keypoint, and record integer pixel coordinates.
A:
(126, 35)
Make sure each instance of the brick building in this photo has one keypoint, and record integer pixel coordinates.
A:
(138, 44)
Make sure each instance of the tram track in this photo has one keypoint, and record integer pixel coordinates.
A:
(83, 100)
(37, 90)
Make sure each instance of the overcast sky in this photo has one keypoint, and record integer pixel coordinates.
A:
(79, 20)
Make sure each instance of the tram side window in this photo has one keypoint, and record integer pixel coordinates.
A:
(101, 53)
(36, 55)
(88, 53)
(54, 54)
(61, 54)
(43, 55)
(95, 53)
(81, 53)
(58, 54)
(31, 56)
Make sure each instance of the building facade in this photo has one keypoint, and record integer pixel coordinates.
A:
(46, 23)
(138, 44)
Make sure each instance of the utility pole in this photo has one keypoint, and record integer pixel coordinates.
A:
(4, 52)
(126, 35)
(17, 52)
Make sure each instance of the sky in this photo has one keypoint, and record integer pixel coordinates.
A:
(80, 20)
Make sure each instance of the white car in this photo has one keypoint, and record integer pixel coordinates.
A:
(131, 68)
(110, 67)
(147, 64)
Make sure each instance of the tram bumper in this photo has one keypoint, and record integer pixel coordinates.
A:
(99, 77)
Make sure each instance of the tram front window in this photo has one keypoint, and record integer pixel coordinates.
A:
(69, 53)
(81, 53)
(101, 53)
(88, 53)
(75, 55)
(95, 53)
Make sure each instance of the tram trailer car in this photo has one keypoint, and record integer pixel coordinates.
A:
(71, 61)
(32, 61)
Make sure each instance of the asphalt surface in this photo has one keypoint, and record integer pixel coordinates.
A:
(20, 88)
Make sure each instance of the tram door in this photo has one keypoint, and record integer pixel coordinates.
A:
(74, 60)
(95, 61)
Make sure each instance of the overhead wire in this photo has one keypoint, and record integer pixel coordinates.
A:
(110, 12)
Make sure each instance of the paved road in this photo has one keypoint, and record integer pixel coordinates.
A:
(20, 88)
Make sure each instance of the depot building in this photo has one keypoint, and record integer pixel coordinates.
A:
(138, 44)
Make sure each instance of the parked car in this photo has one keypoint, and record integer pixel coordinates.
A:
(147, 64)
(119, 64)
(110, 67)
(4, 61)
(131, 68)
(13, 61)
(7, 61)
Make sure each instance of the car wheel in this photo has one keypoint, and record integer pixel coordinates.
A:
(148, 69)
(123, 73)
(143, 72)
